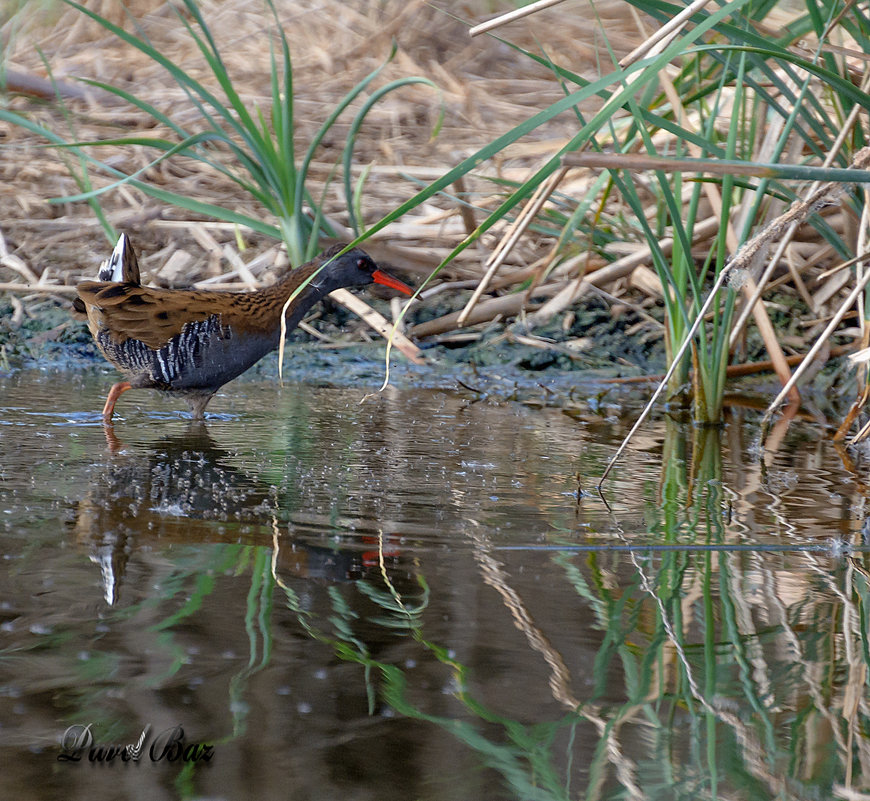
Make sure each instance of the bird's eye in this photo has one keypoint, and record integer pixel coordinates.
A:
(361, 263)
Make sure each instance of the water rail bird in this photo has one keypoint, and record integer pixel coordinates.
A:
(192, 342)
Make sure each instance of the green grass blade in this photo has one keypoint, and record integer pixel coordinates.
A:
(358, 120)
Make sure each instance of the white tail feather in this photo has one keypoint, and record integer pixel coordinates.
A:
(113, 268)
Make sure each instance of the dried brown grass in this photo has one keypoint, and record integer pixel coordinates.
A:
(486, 87)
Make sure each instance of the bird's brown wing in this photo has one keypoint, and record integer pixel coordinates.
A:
(153, 316)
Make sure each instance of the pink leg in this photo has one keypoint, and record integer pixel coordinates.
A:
(114, 394)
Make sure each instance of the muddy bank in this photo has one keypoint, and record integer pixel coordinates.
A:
(590, 339)
(578, 352)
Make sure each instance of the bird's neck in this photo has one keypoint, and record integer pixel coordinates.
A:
(274, 298)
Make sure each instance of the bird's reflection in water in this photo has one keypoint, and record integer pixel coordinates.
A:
(186, 489)
(166, 493)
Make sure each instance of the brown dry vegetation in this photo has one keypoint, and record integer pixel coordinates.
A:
(487, 88)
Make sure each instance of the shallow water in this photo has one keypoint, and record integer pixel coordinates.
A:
(415, 596)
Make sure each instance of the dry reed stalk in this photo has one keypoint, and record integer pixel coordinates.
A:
(313, 332)
(794, 274)
(379, 323)
(820, 342)
(241, 269)
(26, 83)
(664, 35)
(637, 162)
(511, 16)
(485, 312)
(17, 312)
(38, 289)
(768, 336)
(516, 229)
(13, 262)
(465, 211)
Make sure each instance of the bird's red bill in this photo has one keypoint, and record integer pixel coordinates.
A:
(380, 277)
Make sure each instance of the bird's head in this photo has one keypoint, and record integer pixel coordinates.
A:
(355, 268)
